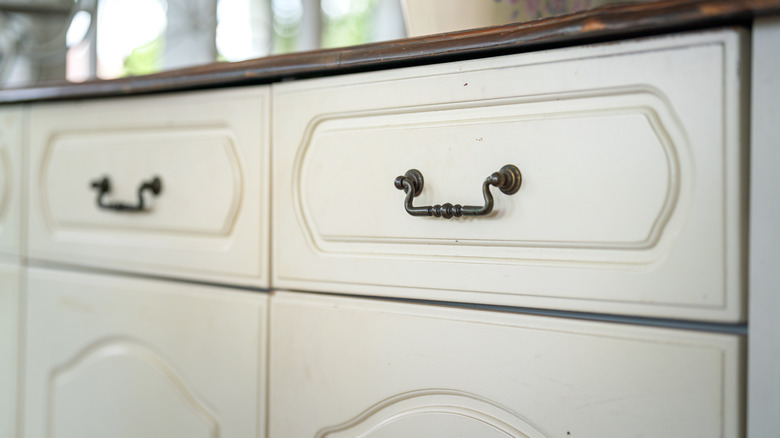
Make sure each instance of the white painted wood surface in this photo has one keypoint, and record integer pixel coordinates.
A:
(10, 287)
(633, 182)
(126, 358)
(764, 359)
(11, 137)
(346, 367)
(210, 149)
(644, 213)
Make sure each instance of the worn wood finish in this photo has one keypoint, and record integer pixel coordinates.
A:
(600, 24)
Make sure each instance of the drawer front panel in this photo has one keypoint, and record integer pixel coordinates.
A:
(630, 158)
(209, 153)
(397, 369)
(11, 128)
(625, 205)
(199, 173)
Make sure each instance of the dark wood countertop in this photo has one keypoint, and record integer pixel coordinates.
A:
(597, 25)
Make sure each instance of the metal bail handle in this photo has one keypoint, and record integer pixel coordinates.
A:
(103, 186)
(508, 180)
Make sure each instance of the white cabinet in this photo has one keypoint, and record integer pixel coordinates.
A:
(632, 161)
(10, 295)
(108, 356)
(222, 307)
(209, 153)
(117, 355)
(12, 129)
(345, 367)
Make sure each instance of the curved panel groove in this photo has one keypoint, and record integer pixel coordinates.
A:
(120, 388)
(434, 402)
(6, 183)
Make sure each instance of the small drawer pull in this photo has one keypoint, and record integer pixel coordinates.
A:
(103, 186)
(508, 180)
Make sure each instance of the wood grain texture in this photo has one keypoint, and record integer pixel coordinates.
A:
(597, 25)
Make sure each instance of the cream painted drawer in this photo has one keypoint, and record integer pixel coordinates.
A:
(209, 150)
(346, 367)
(633, 186)
(11, 128)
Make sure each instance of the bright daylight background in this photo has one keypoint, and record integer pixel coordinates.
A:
(131, 36)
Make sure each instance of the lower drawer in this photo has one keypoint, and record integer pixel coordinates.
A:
(343, 367)
(109, 356)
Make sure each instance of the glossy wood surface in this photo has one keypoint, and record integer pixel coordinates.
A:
(601, 24)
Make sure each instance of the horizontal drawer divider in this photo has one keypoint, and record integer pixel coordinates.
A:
(698, 326)
(79, 268)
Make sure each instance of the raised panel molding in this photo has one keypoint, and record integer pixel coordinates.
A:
(120, 388)
(635, 130)
(456, 412)
(11, 128)
(6, 183)
(201, 199)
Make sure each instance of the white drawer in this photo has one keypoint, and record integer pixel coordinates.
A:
(11, 126)
(632, 180)
(345, 367)
(209, 151)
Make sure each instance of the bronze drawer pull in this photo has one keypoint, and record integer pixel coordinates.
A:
(103, 186)
(508, 180)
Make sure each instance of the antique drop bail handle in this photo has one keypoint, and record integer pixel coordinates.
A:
(103, 186)
(508, 180)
